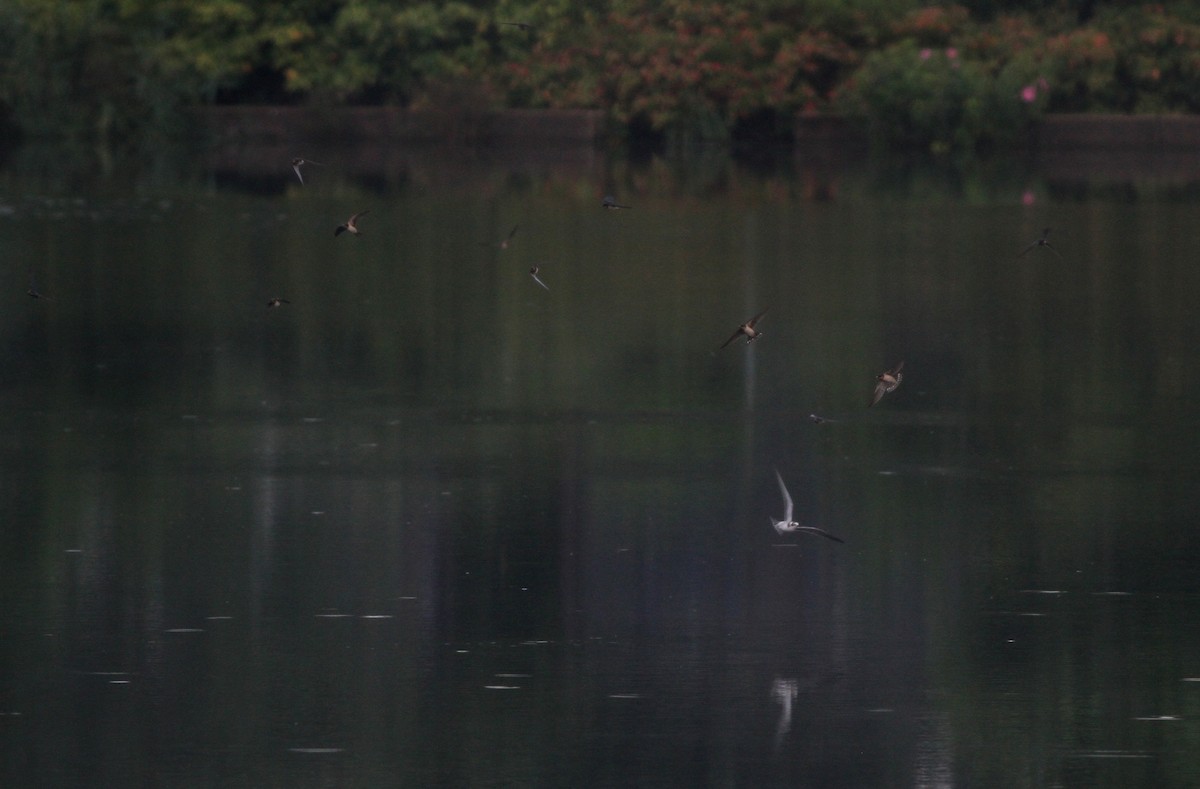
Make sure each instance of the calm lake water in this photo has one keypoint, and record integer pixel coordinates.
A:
(432, 524)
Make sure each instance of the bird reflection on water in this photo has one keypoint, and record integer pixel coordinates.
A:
(783, 691)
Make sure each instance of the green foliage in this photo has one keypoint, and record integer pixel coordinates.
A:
(1156, 66)
(683, 68)
(919, 97)
(686, 69)
(50, 54)
(372, 51)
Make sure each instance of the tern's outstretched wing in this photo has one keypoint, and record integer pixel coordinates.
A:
(822, 532)
(787, 499)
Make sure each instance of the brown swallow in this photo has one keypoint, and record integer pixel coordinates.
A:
(887, 382)
(351, 225)
(787, 525)
(277, 302)
(1041, 242)
(747, 330)
(519, 25)
(612, 204)
(297, 163)
(533, 272)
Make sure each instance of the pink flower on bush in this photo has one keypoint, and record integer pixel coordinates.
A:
(1029, 94)
(951, 53)
(926, 53)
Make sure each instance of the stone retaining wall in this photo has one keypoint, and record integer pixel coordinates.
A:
(346, 124)
(574, 127)
(1059, 132)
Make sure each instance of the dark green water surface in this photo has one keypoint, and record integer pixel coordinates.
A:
(431, 524)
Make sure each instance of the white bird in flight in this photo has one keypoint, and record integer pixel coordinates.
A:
(787, 525)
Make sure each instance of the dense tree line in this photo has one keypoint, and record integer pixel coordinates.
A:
(677, 67)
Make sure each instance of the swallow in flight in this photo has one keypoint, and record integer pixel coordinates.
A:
(886, 382)
(747, 330)
(351, 225)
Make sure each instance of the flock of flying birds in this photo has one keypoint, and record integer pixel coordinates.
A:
(885, 383)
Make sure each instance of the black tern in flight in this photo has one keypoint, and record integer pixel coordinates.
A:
(297, 163)
(533, 272)
(787, 525)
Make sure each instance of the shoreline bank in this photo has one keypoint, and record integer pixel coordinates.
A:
(271, 124)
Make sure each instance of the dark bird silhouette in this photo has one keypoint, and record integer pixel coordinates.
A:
(33, 291)
(747, 330)
(503, 243)
(277, 302)
(351, 225)
(1041, 242)
(533, 272)
(612, 204)
(519, 25)
(297, 163)
(886, 382)
(787, 525)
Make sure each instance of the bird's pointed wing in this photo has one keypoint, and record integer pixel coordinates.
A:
(296, 168)
(339, 230)
(822, 532)
(1023, 252)
(512, 232)
(354, 218)
(735, 335)
(1050, 247)
(538, 281)
(880, 391)
(755, 319)
(896, 371)
(787, 499)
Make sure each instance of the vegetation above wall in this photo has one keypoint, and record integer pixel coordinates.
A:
(942, 76)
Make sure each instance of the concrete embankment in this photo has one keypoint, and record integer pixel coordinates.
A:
(259, 124)
(347, 124)
(388, 140)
